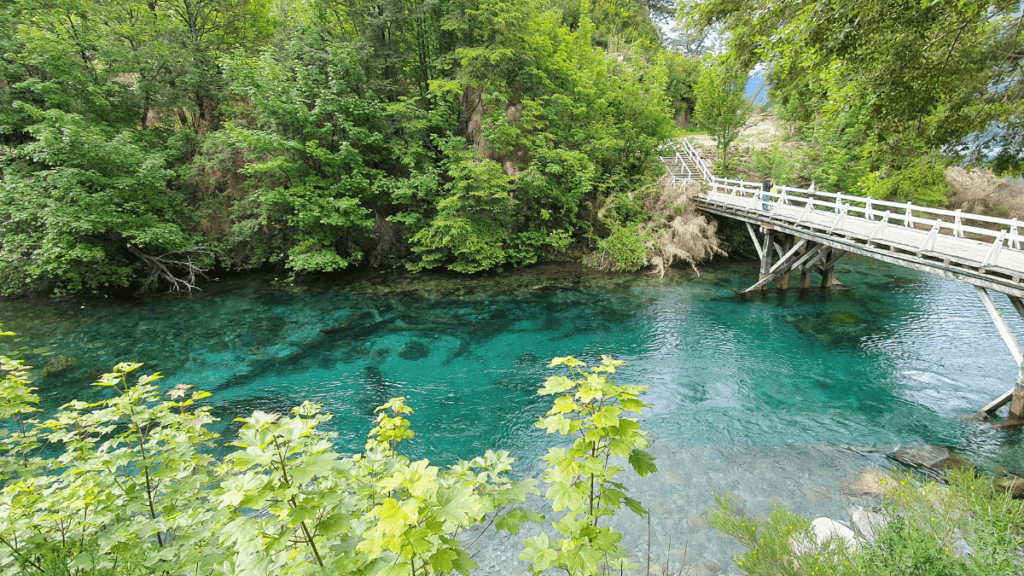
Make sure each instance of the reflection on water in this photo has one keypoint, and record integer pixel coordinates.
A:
(895, 360)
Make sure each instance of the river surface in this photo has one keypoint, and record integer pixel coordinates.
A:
(896, 360)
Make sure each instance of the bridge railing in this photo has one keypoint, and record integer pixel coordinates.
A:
(1000, 233)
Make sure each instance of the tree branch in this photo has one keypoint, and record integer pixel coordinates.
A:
(161, 269)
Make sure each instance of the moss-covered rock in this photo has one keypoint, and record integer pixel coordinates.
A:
(58, 364)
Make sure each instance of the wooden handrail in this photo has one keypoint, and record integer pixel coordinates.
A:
(954, 222)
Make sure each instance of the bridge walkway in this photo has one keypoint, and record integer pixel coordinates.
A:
(804, 230)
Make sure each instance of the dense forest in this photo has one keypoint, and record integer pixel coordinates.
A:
(142, 142)
(150, 139)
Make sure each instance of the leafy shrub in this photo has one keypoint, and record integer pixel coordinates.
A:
(775, 162)
(594, 412)
(136, 488)
(625, 249)
(968, 527)
(135, 473)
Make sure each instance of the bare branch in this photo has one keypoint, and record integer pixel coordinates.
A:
(180, 274)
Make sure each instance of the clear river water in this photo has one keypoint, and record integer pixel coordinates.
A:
(743, 389)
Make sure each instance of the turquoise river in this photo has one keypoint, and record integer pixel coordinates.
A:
(896, 360)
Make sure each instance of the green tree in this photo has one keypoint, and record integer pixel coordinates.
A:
(82, 208)
(312, 142)
(936, 75)
(722, 108)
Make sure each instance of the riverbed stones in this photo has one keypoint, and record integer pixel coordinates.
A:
(58, 364)
(414, 350)
(933, 459)
(866, 484)
(866, 523)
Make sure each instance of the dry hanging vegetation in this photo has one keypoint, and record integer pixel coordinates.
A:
(982, 192)
(679, 232)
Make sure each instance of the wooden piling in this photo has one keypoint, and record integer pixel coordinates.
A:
(787, 245)
(766, 256)
(805, 272)
(828, 272)
(1017, 402)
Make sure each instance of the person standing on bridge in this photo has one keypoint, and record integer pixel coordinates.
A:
(766, 187)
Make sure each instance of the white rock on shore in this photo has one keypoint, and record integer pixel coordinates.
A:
(823, 530)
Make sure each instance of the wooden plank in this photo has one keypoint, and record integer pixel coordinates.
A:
(993, 254)
(1001, 325)
(788, 255)
(757, 245)
(809, 258)
(999, 402)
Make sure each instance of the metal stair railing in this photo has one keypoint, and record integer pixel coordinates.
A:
(684, 173)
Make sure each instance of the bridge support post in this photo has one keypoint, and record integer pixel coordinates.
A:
(805, 272)
(828, 272)
(787, 245)
(766, 256)
(1014, 397)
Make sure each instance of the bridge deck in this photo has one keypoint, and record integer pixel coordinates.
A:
(956, 257)
(981, 250)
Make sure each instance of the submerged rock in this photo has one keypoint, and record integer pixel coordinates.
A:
(266, 331)
(58, 364)
(932, 459)
(414, 350)
(379, 355)
(527, 359)
(869, 483)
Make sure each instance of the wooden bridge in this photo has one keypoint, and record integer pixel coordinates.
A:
(803, 230)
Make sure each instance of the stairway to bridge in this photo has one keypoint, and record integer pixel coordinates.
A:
(804, 230)
(681, 167)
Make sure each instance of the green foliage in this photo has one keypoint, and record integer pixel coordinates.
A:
(922, 181)
(309, 145)
(931, 75)
(968, 527)
(470, 229)
(775, 162)
(683, 74)
(625, 249)
(134, 488)
(594, 412)
(78, 202)
(722, 107)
